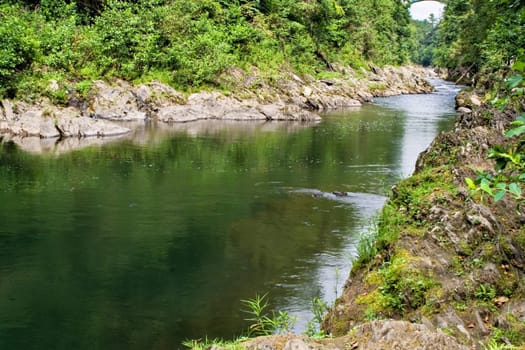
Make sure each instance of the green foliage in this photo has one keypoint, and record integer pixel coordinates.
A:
(263, 321)
(313, 327)
(485, 292)
(18, 49)
(190, 43)
(480, 34)
(426, 41)
(400, 286)
(209, 344)
(509, 170)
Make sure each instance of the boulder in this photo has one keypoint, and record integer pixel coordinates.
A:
(179, 114)
(8, 110)
(155, 95)
(391, 334)
(115, 102)
(287, 112)
(85, 127)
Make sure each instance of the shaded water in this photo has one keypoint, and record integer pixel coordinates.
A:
(145, 242)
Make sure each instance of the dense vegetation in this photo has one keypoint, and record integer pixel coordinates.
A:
(188, 43)
(474, 36)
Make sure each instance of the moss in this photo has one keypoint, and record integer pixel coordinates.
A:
(377, 87)
(399, 286)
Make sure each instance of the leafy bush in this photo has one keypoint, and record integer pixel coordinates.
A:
(509, 170)
(19, 47)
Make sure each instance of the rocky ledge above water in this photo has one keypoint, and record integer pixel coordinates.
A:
(104, 109)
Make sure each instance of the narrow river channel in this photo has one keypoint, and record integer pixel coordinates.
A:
(151, 240)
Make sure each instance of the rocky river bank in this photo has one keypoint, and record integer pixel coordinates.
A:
(444, 269)
(106, 110)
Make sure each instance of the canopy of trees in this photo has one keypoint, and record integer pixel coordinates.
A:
(189, 42)
(480, 34)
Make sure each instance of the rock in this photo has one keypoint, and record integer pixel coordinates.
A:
(467, 98)
(152, 96)
(464, 110)
(8, 110)
(179, 114)
(85, 127)
(115, 103)
(244, 114)
(296, 344)
(287, 112)
(392, 334)
(307, 91)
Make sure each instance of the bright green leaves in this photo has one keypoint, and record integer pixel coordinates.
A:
(509, 168)
(19, 48)
(518, 127)
(514, 81)
(264, 322)
(470, 183)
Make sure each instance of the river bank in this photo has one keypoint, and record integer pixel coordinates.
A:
(443, 269)
(104, 110)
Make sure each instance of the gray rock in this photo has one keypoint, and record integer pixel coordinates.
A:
(296, 344)
(287, 112)
(115, 103)
(464, 110)
(179, 114)
(392, 334)
(244, 114)
(8, 110)
(152, 96)
(85, 127)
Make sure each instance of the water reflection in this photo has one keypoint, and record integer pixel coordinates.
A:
(145, 242)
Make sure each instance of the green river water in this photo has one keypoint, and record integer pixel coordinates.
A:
(153, 239)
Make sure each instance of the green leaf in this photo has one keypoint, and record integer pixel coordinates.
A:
(501, 185)
(498, 195)
(485, 186)
(515, 189)
(519, 66)
(514, 81)
(515, 131)
(470, 183)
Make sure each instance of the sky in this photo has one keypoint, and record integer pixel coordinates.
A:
(421, 10)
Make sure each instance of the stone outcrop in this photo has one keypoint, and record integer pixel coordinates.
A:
(48, 121)
(102, 111)
(376, 335)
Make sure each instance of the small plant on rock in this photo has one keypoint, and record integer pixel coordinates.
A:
(264, 321)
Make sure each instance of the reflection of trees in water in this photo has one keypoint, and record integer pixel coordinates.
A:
(136, 245)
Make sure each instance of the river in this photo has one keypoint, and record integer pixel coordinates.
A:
(148, 241)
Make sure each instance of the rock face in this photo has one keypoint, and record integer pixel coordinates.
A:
(291, 98)
(48, 121)
(375, 335)
(115, 102)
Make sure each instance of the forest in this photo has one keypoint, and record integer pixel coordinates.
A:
(188, 43)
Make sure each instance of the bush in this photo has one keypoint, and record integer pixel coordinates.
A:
(19, 48)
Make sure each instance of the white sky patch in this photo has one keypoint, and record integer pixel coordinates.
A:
(421, 10)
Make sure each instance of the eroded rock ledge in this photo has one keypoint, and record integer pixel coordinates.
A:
(102, 111)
